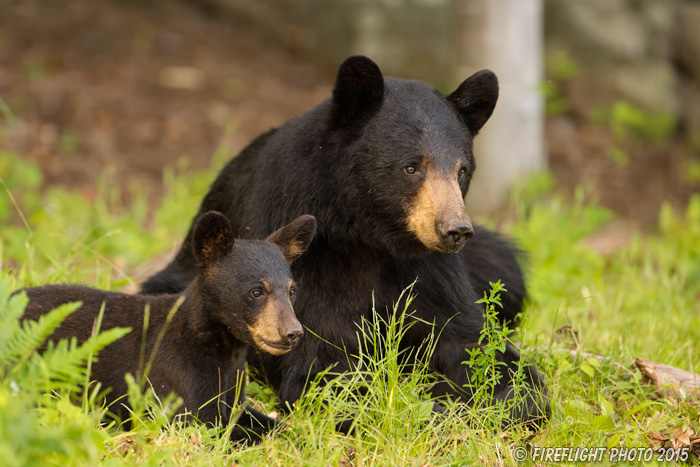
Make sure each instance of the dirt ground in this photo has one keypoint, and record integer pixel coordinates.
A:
(137, 85)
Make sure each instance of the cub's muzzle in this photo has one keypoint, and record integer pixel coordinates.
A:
(277, 329)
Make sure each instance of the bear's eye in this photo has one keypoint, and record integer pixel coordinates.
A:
(410, 169)
(461, 173)
(256, 293)
(292, 291)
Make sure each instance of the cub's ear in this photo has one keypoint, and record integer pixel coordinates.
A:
(475, 99)
(295, 237)
(359, 89)
(213, 238)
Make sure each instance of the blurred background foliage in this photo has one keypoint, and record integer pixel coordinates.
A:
(135, 86)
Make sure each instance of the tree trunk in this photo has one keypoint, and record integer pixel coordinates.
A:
(511, 143)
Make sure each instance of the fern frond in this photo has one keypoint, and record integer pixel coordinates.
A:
(18, 341)
(63, 366)
(11, 307)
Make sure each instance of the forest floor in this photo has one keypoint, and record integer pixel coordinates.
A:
(130, 88)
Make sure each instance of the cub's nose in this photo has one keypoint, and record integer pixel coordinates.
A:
(456, 235)
(294, 334)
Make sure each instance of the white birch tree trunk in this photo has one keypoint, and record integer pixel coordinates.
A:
(511, 143)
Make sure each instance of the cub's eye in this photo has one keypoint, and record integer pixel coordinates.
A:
(256, 293)
(410, 169)
(461, 173)
(292, 291)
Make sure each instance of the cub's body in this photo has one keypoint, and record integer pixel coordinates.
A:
(240, 297)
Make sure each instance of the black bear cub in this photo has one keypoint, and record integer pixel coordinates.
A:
(241, 296)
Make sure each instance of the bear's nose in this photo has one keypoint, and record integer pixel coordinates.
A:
(457, 234)
(294, 335)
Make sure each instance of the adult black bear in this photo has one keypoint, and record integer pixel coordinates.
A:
(241, 296)
(383, 165)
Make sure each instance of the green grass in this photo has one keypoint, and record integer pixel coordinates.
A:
(640, 301)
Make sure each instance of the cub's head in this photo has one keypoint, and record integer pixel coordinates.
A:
(411, 157)
(247, 284)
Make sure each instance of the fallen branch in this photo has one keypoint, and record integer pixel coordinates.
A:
(670, 381)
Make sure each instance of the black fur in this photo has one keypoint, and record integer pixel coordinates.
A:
(475, 99)
(345, 162)
(204, 347)
(359, 89)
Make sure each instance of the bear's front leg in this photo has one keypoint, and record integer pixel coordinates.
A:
(526, 395)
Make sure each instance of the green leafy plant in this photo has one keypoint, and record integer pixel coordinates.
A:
(39, 390)
(485, 367)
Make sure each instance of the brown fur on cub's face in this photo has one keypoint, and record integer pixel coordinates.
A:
(274, 322)
(249, 283)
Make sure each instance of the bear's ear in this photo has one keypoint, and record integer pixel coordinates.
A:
(475, 99)
(295, 237)
(359, 89)
(212, 239)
